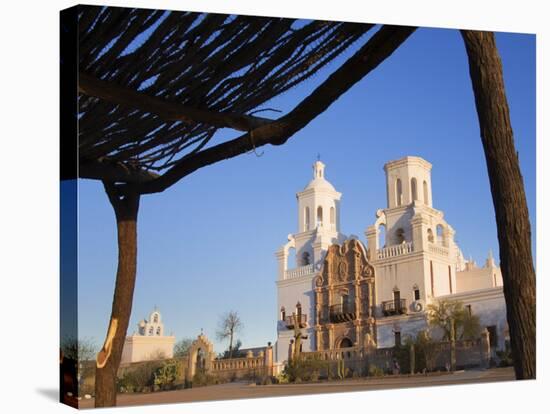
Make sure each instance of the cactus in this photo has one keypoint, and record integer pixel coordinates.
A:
(167, 375)
(453, 345)
(341, 369)
(412, 358)
(298, 336)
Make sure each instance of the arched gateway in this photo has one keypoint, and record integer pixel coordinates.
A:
(200, 356)
(344, 297)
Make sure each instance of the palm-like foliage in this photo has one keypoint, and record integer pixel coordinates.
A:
(444, 313)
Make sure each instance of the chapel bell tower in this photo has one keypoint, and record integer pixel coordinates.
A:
(318, 223)
(318, 218)
(408, 180)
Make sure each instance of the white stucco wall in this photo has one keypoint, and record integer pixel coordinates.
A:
(478, 278)
(408, 325)
(289, 292)
(403, 273)
(142, 348)
(490, 306)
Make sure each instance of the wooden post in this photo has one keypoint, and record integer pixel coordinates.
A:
(108, 359)
(512, 216)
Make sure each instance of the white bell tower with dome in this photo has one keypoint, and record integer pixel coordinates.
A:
(318, 218)
(318, 228)
(417, 261)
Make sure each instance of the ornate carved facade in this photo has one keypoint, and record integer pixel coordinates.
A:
(344, 298)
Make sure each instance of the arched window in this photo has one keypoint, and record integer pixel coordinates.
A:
(332, 216)
(292, 258)
(382, 236)
(306, 219)
(439, 233)
(344, 301)
(414, 191)
(158, 331)
(426, 199)
(319, 216)
(399, 236)
(156, 318)
(151, 331)
(430, 236)
(283, 313)
(398, 192)
(298, 309)
(416, 292)
(305, 258)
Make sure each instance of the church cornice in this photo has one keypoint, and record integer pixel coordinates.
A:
(407, 161)
(313, 191)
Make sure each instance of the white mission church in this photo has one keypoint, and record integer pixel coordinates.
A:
(345, 293)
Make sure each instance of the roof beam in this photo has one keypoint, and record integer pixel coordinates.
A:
(114, 172)
(169, 111)
(374, 52)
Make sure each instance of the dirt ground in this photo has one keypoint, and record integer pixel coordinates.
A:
(238, 390)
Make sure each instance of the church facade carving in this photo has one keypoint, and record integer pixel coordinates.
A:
(344, 297)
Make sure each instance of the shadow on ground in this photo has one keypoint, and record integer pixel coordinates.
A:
(49, 393)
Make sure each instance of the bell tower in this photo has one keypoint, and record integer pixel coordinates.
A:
(318, 218)
(417, 260)
(408, 180)
(318, 228)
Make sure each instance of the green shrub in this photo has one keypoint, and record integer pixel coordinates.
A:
(402, 355)
(282, 378)
(308, 369)
(425, 352)
(167, 376)
(139, 378)
(202, 378)
(505, 356)
(375, 371)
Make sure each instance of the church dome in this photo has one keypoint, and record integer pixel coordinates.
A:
(319, 182)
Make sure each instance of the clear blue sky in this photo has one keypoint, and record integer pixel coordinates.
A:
(207, 244)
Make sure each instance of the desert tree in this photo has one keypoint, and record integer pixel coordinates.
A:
(510, 203)
(454, 321)
(76, 355)
(78, 349)
(182, 347)
(236, 351)
(229, 325)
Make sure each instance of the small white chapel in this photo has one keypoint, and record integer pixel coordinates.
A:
(149, 342)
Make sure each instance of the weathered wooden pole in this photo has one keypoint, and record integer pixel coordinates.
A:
(512, 217)
(108, 359)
